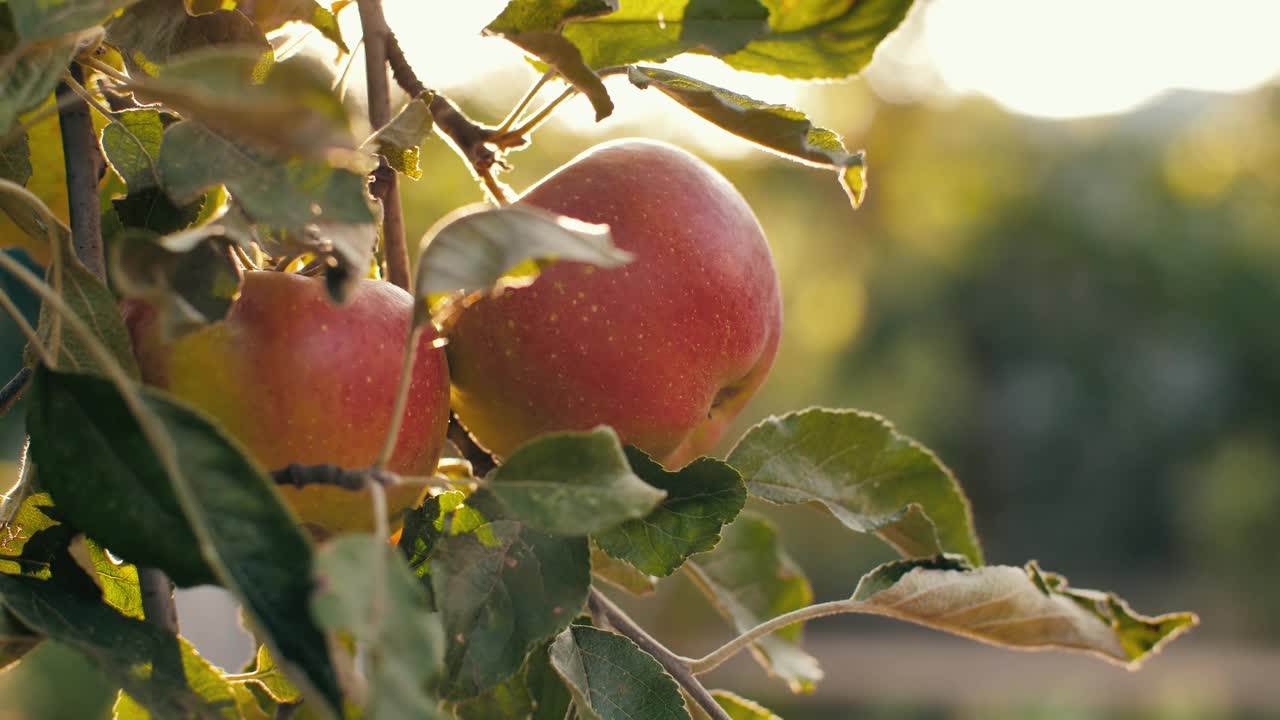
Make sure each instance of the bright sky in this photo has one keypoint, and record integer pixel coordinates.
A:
(1050, 58)
(1060, 58)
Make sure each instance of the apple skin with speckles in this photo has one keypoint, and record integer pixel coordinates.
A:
(666, 349)
(298, 379)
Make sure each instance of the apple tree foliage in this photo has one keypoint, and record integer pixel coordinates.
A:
(222, 149)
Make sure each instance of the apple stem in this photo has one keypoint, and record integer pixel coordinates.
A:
(524, 103)
(402, 399)
(678, 667)
(504, 138)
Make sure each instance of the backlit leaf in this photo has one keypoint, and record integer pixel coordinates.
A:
(778, 128)
(872, 478)
(1015, 607)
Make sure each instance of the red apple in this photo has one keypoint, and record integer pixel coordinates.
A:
(298, 379)
(666, 349)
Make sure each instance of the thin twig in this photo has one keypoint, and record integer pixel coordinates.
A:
(105, 69)
(717, 657)
(520, 135)
(468, 138)
(340, 83)
(524, 103)
(385, 183)
(528, 126)
(676, 666)
(84, 164)
(12, 390)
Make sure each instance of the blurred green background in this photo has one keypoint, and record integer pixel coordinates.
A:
(1078, 316)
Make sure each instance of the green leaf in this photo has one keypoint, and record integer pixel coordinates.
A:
(286, 108)
(701, 498)
(132, 146)
(41, 19)
(482, 248)
(611, 678)
(31, 78)
(93, 303)
(162, 672)
(750, 579)
(153, 32)
(119, 581)
(349, 247)
(503, 588)
(656, 30)
(281, 193)
(820, 39)
(621, 574)
(103, 476)
(869, 476)
(267, 675)
(535, 693)
(188, 289)
(778, 128)
(35, 541)
(400, 141)
(1015, 607)
(365, 591)
(535, 26)
(551, 699)
(572, 483)
(507, 701)
(15, 160)
(804, 40)
(271, 14)
(246, 535)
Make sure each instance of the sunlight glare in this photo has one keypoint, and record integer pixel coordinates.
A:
(1092, 57)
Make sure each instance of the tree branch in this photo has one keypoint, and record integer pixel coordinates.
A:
(678, 667)
(469, 139)
(85, 165)
(157, 599)
(385, 185)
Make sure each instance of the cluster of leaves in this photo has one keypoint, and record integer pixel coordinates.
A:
(224, 153)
